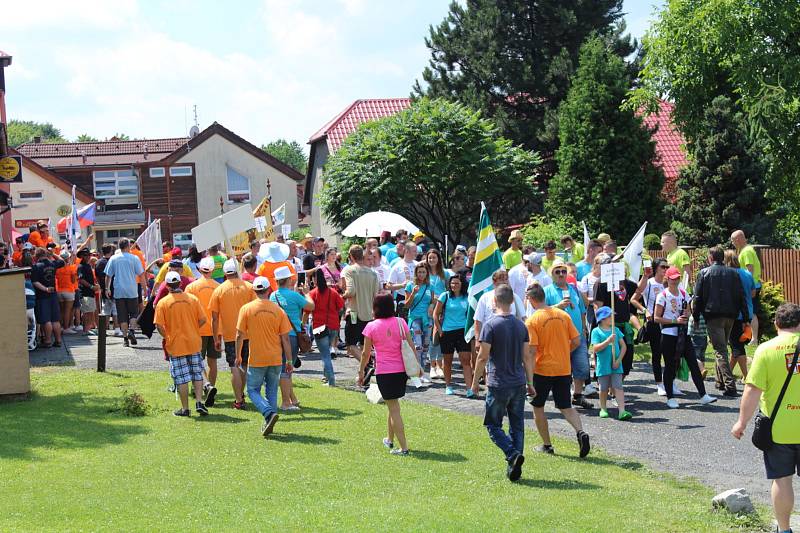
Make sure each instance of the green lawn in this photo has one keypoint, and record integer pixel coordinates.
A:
(68, 463)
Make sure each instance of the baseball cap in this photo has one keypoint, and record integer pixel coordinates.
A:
(176, 251)
(673, 273)
(230, 267)
(27, 246)
(602, 313)
(173, 277)
(206, 264)
(417, 235)
(176, 263)
(318, 239)
(261, 283)
(534, 258)
(282, 273)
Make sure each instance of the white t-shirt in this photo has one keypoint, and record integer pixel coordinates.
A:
(382, 272)
(673, 308)
(586, 286)
(402, 272)
(650, 294)
(518, 279)
(543, 279)
(486, 307)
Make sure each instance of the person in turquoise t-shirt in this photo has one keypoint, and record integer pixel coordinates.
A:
(419, 295)
(608, 361)
(450, 319)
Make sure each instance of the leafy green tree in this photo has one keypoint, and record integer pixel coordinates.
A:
(606, 159)
(723, 187)
(23, 131)
(85, 138)
(120, 137)
(290, 152)
(513, 60)
(432, 163)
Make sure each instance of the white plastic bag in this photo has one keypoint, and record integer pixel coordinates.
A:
(374, 394)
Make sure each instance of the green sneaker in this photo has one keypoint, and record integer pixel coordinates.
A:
(625, 415)
(603, 413)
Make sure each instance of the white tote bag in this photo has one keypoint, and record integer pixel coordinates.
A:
(410, 361)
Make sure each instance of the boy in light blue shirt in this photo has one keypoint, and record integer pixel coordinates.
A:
(608, 361)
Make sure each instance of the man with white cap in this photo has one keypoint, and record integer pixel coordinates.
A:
(202, 289)
(274, 255)
(179, 317)
(225, 304)
(527, 272)
(267, 327)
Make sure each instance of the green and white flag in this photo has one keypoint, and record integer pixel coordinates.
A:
(487, 261)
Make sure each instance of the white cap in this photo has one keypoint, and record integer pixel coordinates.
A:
(173, 277)
(260, 283)
(27, 246)
(230, 267)
(206, 264)
(282, 273)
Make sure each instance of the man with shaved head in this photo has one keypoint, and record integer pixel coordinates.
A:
(748, 258)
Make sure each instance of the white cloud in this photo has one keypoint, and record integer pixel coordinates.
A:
(74, 15)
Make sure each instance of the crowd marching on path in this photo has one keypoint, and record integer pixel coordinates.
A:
(543, 323)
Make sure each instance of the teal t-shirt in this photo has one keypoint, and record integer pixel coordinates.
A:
(418, 307)
(455, 311)
(292, 304)
(603, 356)
(553, 295)
(438, 284)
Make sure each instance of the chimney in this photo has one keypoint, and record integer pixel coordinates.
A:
(37, 139)
(83, 156)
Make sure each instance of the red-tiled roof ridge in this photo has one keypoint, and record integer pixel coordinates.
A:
(670, 145)
(363, 110)
(139, 146)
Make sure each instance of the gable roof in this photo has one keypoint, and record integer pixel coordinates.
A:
(255, 151)
(669, 145)
(47, 175)
(346, 122)
(100, 153)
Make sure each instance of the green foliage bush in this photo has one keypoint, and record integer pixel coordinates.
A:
(131, 404)
(540, 230)
(771, 297)
(652, 242)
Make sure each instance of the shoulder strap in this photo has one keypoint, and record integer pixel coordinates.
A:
(785, 383)
(278, 298)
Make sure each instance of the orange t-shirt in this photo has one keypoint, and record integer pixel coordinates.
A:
(202, 290)
(180, 314)
(140, 255)
(226, 301)
(263, 322)
(267, 270)
(550, 331)
(67, 278)
(16, 258)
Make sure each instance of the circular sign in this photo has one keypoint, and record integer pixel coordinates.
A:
(63, 210)
(9, 168)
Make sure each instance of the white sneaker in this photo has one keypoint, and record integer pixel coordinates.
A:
(78, 328)
(423, 379)
(118, 332)
(440, 371)
(676, 391)
(707, 399)
(416, 382)
(672, 403)
(661, 390)
(68, 331)
(589, 389)
(614, 402)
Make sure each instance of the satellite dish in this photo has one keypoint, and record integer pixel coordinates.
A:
(193, 131)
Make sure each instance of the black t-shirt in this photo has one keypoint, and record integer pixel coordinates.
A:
(44, 272)
(622, 302)
(100, 272)
(86, 273)
(310, 261)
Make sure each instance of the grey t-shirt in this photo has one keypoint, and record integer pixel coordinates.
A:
(508, 337)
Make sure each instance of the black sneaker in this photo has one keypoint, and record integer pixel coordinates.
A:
(269, 424)
(200, 408)
(545, 448)
(132, 337)
(514, 470)
(211, 394)
(730, 394)
(181, 412)
(125, 342)
(583, 443)
(583, 403)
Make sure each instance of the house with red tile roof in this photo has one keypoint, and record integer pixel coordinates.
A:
(670, 146)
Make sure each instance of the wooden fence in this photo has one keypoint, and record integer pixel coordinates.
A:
(777, 265)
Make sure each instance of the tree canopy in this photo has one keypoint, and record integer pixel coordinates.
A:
(85, 138)
(23, 131)
(432, 163)
(289, 152)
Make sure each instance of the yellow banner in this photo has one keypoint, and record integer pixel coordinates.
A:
(241, 242)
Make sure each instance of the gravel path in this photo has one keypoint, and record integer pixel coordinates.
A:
(693, 441)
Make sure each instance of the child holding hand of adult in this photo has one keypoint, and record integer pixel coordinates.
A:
(608, 361)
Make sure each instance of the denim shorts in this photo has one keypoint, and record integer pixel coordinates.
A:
(579, 359)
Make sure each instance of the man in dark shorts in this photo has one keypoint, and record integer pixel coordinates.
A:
(125, 269)
(48, 313)
(772, 363)
(552, 336)
(507, 358)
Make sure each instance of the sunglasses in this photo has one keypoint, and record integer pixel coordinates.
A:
(663, 267)
(560, 272)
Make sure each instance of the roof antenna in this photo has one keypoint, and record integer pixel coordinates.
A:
(195, 128)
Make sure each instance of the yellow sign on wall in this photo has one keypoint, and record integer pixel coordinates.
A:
(11, 169)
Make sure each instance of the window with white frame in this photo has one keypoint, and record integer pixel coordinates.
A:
(116, 184)
(31, 196)
(157, 172)
(182, 240)
(238, 187)
(180, 171)
(120, 233)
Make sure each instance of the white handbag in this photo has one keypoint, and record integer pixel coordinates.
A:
(410, 361)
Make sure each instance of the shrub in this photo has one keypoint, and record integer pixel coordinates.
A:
(540, 230)
(771, 297)
(131, 404)
(652, 242)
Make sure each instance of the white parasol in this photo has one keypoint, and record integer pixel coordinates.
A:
(374, 223)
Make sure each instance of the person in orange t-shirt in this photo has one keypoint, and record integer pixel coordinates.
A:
(202, 289)
(552, 337)
(225, 303)
(179, 317)
(267, 328)
(274, 255)
(66, 286)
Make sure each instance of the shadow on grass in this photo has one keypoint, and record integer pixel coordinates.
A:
(66, 421)
(602, 461)
(301, 439)
(562, 484)
(218, 418)
(426, 455)
(314, 413)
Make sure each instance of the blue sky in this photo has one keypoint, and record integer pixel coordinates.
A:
(264, 68)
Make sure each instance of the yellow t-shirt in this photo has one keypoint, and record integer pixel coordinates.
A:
(227, 300)
(263, 322)
(748, 256)
(678, 258)
(771, 362)
(550, 331)
(179, 314)
(512, 258)
(162, 272)
(547, 263)
(202, 290)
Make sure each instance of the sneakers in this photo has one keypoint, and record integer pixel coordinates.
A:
(389, 444)
(398, 451)
(583, 403)
(132, 337)
(514, 470)
(416, 382)
(200, 408)
(117, 332)
(449, 391)
(125, 342)
(470, 393)
(290, 408)
(727, 393)
(625, 415)
(239, 405)
(583, 444)
(676, 391)
(68, 331)
(672, 403)
(661, 390)
(78, 328)
(589, 389)
(440, 372)
(423, 379)
(269, 424)
(707, 399)
(181, 412)
(614, 402)
(603, 413)
(211, 394)
(545, 448)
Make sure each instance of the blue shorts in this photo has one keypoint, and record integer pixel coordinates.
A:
(579, 359)
(47, 309)
(186, 368)
(782, 460)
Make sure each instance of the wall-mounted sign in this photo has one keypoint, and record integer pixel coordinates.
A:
(11, 169)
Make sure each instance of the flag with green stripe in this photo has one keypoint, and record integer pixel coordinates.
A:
(487, 261)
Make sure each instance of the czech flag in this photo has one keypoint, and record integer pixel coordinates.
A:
(85, 218)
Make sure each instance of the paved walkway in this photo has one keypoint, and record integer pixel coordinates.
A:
(691, 441)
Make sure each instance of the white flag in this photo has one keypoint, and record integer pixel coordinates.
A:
(150, 241)
(279, 215)
(633, 253)
(73, 226)
(586, 240)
